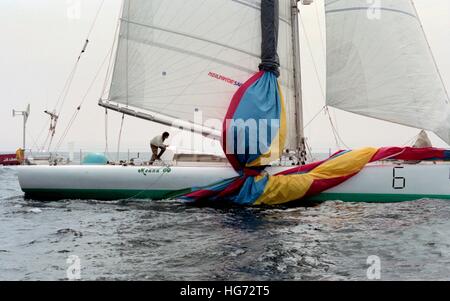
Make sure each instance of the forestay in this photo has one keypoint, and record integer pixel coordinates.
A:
(379, 64)
(178, 57)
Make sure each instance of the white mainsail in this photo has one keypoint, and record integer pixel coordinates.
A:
(178, 57)
(379, 65)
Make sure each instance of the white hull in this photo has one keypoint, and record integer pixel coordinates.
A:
(394, 183)
(375, 183)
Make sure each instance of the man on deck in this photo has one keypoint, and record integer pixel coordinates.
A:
(158, 143)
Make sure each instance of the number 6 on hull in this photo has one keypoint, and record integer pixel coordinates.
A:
(396, 179)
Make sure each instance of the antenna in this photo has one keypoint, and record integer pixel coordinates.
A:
(25, 115)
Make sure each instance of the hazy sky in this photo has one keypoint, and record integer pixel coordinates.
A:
(42, 38)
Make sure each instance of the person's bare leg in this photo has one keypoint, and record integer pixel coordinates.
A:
(155, 154)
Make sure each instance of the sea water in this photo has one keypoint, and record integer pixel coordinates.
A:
(168, 240)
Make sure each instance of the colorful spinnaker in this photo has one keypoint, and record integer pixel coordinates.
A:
(254, 129)
(306, 181)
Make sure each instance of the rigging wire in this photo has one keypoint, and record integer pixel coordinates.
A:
(431, 52)
(337, 137)
(35, 144)
(46, 125)
(46, 139)
(72, 120)
(336, 125)
(106, 133)
(127, 66)
(108, 74)
(322, 90)
(110, 67)
(309, 150)
(66, 87)
(86, 43)
(78, 108)
(410, 140)
(314, 118)
(68, 84)
(96, 18)
(334, 129)
(120, 137)
(322, 40)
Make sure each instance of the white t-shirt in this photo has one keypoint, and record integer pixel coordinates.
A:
(157, 141)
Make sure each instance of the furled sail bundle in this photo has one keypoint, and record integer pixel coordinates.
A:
(254, 128)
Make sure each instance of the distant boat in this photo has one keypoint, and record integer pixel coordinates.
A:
(176, 57)
(8, 159)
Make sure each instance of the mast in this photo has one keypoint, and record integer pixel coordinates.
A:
(300, 136)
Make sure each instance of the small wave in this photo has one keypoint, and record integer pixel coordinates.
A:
(12, 198)
(64, 251)
(69, 231)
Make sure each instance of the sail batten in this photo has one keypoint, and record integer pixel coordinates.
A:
(258, 7)
(380, 65)
(190, 53)
(365, 8)
(177, 32)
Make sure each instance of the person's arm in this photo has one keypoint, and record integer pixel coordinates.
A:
(161, 143)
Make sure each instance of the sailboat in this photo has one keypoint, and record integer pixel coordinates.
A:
(177, 58)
